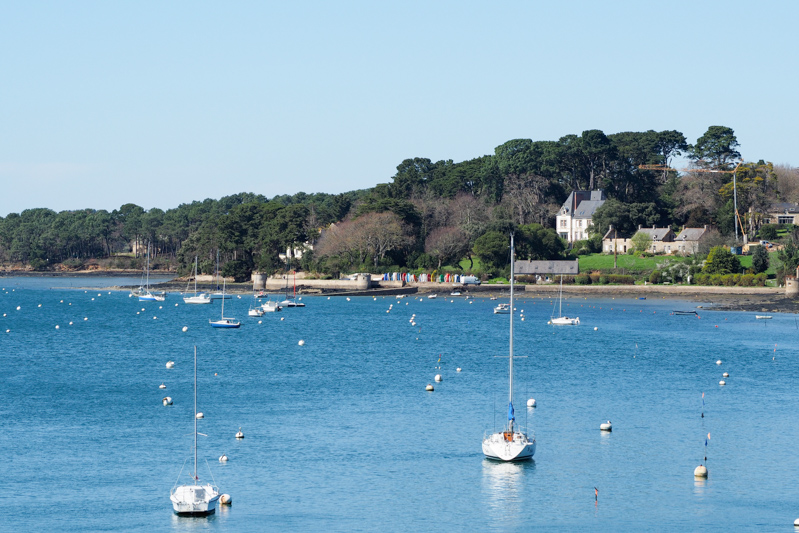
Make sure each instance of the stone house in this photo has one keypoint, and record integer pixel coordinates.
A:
(689, 239)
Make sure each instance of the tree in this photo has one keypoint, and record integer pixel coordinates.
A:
(721, 261)
(641, 242)
(716, 149)
(624, 217)
(493, 249)
(759, 259)
(539, 243)
(446, 245)
(789, 259)
(768, 232)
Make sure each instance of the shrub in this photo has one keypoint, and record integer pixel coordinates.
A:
(594, 277)
(768, 232)
(760, 279)
(715, 280)
(727, 280)
(582, 279)
(621, 279)
(654, 277)
(702, 278)
(603, 280)
(747, 280)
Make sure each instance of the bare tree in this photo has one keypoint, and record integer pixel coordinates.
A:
(446, 244)
(787, 182)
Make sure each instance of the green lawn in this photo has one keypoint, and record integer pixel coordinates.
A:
(627, 262)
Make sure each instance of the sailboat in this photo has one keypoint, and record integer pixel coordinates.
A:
(562, 320)
(512, 443)
(196, 498)
(224, 322)
(289, 301)
(143, 292)
(202, 298)
(219, 295)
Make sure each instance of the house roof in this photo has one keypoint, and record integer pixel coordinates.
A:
(612, 233)
(587, 203)
(691, 234)
(547, 267)
(784, 207)
(657, 234)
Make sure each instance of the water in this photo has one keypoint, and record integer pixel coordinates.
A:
(341, 436)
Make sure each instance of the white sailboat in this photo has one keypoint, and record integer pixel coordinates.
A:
(196, 498)
(202, 298)
(143, 292)
(219, 295)
(562, 320)
(227, 323)
(512, 443)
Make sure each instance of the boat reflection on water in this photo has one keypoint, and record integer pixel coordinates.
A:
(504, 490)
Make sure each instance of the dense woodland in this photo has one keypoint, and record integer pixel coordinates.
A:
(431, 215)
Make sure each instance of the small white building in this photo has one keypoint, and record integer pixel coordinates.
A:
(574, 217)
(689, 239)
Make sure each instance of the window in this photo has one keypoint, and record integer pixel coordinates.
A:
(563, 223)
(785, 220)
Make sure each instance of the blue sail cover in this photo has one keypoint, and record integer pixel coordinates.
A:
(510, 412)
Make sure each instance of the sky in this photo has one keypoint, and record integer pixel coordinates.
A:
(163, 103)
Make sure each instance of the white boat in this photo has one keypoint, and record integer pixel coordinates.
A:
(512, 443)
(763, 317)
(432, 296)
(195, 499)
(271, 307)
(255, 312)
(563, 320)
(290, 300)
(143, 292)
(227, 323)
(202, 298)
(455, 293)
(502, 309)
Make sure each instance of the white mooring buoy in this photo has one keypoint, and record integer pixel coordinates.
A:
(301, 343)
(200, 415)
(429, 388)
(606, 426)
(239, 434)
(458, 369)
(596, 328)
(223, 458)
(185, 329)
(725, 375)
(170, 364)
(161, 386)
(57, 327)
(225, 499)
(796, 522)
(700, 471)
(531, 402)
(167, 400)
(718, 362)
(722, 382)
(438, 377)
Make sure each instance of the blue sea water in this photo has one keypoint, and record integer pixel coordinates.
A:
(340, 434)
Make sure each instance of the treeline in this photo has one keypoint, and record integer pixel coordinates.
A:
(431, 214)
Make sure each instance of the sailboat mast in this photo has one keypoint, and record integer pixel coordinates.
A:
(195, 415)
(223, 298)
(560, 299)
(148, 265)
(195, 275)
(510, 392)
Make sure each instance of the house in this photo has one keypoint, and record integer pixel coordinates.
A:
(783, 213)
(689, 239)
(574, 217)
(615, 242)
(545, 271)
(662, 239)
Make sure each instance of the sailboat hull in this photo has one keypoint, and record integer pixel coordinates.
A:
(565, 321)
(499, 448)
(194, 500)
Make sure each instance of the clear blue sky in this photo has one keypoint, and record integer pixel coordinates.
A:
(161, 103)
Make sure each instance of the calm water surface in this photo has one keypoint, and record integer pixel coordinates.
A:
(341, 436)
